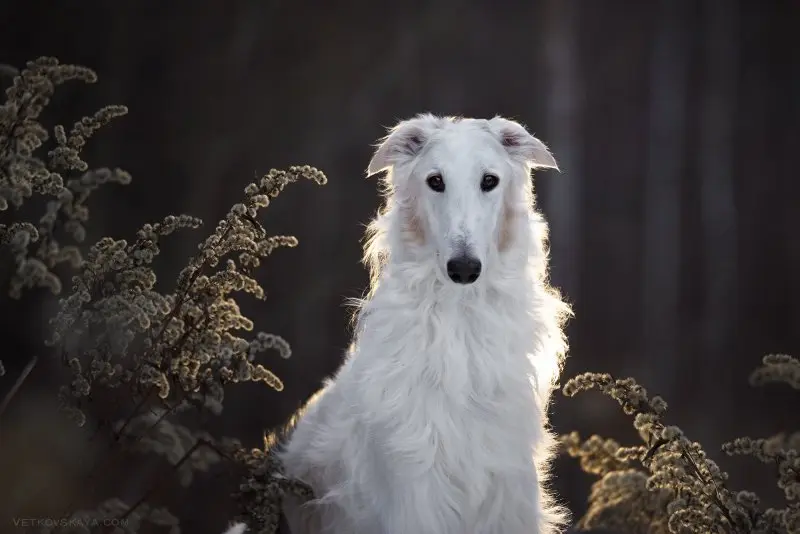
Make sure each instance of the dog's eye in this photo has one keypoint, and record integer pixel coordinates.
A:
(489, 182)
(435, 182)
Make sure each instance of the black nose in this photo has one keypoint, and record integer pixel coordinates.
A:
(463, 270)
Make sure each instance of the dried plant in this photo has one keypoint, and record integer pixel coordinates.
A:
(119, 335)
(264, 487)
(180, 348)
(669, 484)
(59, 175)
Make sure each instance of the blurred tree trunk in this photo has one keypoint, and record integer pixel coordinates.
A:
(562, 194)
(665, 165)
(791, 142)
(716, 169)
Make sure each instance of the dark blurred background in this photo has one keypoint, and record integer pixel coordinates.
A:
(674, 221)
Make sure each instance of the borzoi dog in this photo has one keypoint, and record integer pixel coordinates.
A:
(436, 423)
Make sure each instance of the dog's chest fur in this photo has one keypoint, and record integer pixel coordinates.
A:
(449, 409)
(431, 424)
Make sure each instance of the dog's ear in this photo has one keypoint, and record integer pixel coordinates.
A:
(521, 144)
(404, 142)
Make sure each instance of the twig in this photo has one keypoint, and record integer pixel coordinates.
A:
(18, 384)
(108, 459)
(154, 487)
(722, 508)
(188, 454)
(118, 434)
(660, 442)
(107, 456)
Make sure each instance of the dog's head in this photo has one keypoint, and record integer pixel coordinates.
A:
(459, 187)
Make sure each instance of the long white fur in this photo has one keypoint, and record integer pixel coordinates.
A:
(436, 423)
(238, 528)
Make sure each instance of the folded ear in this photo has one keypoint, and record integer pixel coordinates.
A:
(404, 142)
(521, 144)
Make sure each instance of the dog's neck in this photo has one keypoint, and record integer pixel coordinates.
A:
(414, 290)
(418, 279)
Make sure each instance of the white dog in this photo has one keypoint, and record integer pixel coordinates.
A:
(436, 422)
